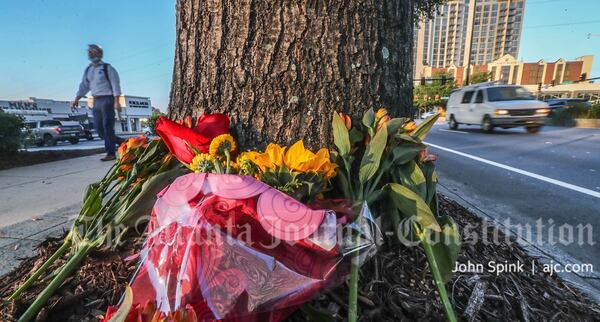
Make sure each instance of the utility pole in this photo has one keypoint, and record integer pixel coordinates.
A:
(467, 79)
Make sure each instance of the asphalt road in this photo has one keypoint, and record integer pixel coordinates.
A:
(552, 177)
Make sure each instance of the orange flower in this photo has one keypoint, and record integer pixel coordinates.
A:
(122, 149)
(136, 142)
(346, 119)
(187, 121)
(410, 126)
(382, 121)
(128, 157)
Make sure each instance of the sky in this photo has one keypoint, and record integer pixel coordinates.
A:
(43, 43)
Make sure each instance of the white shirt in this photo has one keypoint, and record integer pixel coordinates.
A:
(95, 81)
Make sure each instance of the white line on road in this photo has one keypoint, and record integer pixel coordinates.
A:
(523, 172)
(453, 131)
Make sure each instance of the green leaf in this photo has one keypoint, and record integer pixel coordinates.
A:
(406, 151)
(394, 124)
(356, 136)
(372, 157)
(124, 308)
(413, 178)
(435, 261)
(369, 118)
(422, 129)
(144, 201)
(344, 185)
(446, 246)
(406, 138)
(410, 204)
(428, 169)
(341, 138)
(149, 151)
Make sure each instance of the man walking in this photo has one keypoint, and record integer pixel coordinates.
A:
(102, 80)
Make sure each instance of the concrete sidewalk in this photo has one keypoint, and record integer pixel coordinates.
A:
(41, 200)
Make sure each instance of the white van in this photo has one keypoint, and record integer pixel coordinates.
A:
(491, 105)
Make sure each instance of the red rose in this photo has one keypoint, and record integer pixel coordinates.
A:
(177, 136)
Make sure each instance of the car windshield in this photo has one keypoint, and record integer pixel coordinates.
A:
(511, 93)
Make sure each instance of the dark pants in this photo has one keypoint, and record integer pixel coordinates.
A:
(104, 122)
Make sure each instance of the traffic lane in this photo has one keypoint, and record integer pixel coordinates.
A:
(566, 154)
(503, 194)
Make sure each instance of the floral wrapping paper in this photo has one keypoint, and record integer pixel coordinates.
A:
(233, 248)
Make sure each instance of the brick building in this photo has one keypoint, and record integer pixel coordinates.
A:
(508, 70)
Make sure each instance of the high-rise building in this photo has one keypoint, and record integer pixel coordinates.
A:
(494, 26)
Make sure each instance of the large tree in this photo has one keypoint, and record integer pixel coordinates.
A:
(280, 67)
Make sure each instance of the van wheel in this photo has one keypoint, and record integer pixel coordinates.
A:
(532, 129)
(486, 125)
(49, 140)
(452, 123)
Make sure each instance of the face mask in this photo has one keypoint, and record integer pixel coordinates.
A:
(94, 59)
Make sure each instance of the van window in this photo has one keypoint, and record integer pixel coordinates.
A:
(467, 97)
(479, 97)
(508, 93)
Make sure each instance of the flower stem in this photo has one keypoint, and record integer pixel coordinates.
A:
(437, 276)
(228, 156)
(65, 272)
(59, 252)
(353, 288)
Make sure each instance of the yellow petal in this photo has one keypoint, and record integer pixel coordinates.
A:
(297, 155)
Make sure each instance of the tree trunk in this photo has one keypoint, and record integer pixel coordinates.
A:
(280, 68)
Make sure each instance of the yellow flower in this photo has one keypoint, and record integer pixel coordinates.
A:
(320, 162)
(271, 158)
(297, 156)
(246, 163)
(202, 162)
(221, 145)
(300, 159)
(380, 113)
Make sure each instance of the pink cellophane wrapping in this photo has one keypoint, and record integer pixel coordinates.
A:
(235, 249)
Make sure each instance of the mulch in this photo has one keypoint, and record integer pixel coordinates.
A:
(395, 286)
(24, 158)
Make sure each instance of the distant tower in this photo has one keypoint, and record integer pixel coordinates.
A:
(494, 25)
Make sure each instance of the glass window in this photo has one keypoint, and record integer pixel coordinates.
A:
(515, 77)
(467, 97)
(49, 123)
(479, 97)
(508, 93)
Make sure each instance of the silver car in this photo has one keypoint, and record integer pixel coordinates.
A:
(49, 132)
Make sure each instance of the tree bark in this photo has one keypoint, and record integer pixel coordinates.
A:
(280, 68)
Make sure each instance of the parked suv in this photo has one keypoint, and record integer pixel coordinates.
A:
(492, 106)
(568, 102)
(49, 132)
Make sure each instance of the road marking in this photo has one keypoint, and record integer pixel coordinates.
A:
(523, 172)
(453, 131)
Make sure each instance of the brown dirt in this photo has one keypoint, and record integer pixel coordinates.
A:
(98, 283)
(404, 291)
(23, 158)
